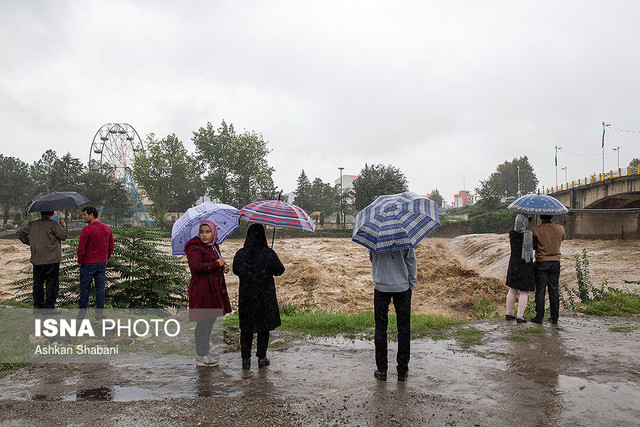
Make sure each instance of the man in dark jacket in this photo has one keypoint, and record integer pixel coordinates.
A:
(45, 236)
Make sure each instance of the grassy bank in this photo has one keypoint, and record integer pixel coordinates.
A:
(361, 325)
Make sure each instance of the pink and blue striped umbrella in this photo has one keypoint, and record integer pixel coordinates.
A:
(394, 222)
(277, 214)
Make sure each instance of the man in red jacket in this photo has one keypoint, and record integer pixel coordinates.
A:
(94, 250)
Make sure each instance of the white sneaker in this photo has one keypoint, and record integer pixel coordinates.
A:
(205, 361)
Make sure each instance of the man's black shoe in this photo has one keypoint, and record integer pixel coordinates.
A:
(382, 376)
(536, 320)
(403, 376)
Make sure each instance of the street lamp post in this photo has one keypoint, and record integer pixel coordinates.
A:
(604, 125)
(565, 174)
(518, 181)
(557, 148)
(618, 150)
(341, 210)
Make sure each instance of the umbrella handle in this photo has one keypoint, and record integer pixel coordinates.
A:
(273, 237)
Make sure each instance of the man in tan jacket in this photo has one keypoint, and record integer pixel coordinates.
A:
(548, 237)
(45, 236)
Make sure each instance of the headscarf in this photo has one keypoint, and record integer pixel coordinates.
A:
(527, 241)
(214, 231)
(256, 238)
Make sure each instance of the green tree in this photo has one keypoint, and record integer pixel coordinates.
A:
(505, 178)
(16, 187)
(303, 192)
(436, 197)
(41, 171)
(64, 173)
(167, 174)
(252, 175)
(488, 194)
(105, 193)
(234, 166)
(376, 180)
(633, 164)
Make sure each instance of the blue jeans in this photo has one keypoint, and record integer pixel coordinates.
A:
(88, 273)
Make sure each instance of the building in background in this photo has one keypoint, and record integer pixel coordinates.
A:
(463, 198)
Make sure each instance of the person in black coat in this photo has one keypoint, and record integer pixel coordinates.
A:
(521, 273)
(255, 265)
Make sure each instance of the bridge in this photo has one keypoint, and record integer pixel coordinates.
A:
(602, 207)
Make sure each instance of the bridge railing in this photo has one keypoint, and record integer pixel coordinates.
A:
(593, 179)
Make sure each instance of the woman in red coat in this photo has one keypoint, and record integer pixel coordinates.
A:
(208, 296)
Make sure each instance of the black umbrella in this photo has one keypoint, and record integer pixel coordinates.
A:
(57, 201)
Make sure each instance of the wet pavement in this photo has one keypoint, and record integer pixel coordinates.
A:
(579, 373)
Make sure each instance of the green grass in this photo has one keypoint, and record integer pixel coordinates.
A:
(615, 303)
(361, 325)
(623, 329)
(466, 337)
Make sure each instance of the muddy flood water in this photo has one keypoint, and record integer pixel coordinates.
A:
(583, 372)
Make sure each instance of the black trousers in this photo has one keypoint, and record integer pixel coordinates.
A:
(246, 341)
(547, 277)
(203, 335)
(46, 276)
(402, 304)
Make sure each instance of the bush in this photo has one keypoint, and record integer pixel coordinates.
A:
(601, 301)
(139, 274)
(500, 221)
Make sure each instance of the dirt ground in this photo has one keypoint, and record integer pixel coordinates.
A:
(581, 373)
(584, 372)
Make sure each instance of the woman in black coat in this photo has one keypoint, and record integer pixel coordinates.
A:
(520, 274)
(255, 264)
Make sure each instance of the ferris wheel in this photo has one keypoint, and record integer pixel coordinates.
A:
(113, 150)
(114, 147)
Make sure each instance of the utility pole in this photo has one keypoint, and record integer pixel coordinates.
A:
(557, 148)
(604, 125)
(618, 150)
(518, 181)
(565, 174)
(341, 210)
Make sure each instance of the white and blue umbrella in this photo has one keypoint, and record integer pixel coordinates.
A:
(538, 204)
(188, 225)
(394, 222)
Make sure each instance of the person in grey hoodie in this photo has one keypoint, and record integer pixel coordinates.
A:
(394, 275)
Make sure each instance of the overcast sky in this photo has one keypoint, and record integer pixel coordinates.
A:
(443, 90)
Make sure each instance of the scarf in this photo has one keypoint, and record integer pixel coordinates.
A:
(527, 242)
(214, 231)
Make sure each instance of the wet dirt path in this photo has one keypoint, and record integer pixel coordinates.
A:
(580, 373)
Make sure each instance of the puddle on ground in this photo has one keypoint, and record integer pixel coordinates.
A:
(551, 375)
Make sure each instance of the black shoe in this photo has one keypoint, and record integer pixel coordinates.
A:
(262, 362)
(509, 317)
(246, 364)
(521, 320)
(553, 322)
(382, 376)
(403, 376)
(536, 320)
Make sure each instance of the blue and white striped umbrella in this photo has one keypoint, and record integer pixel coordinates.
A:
(394, 222)
(538, 204)
(188, 225)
